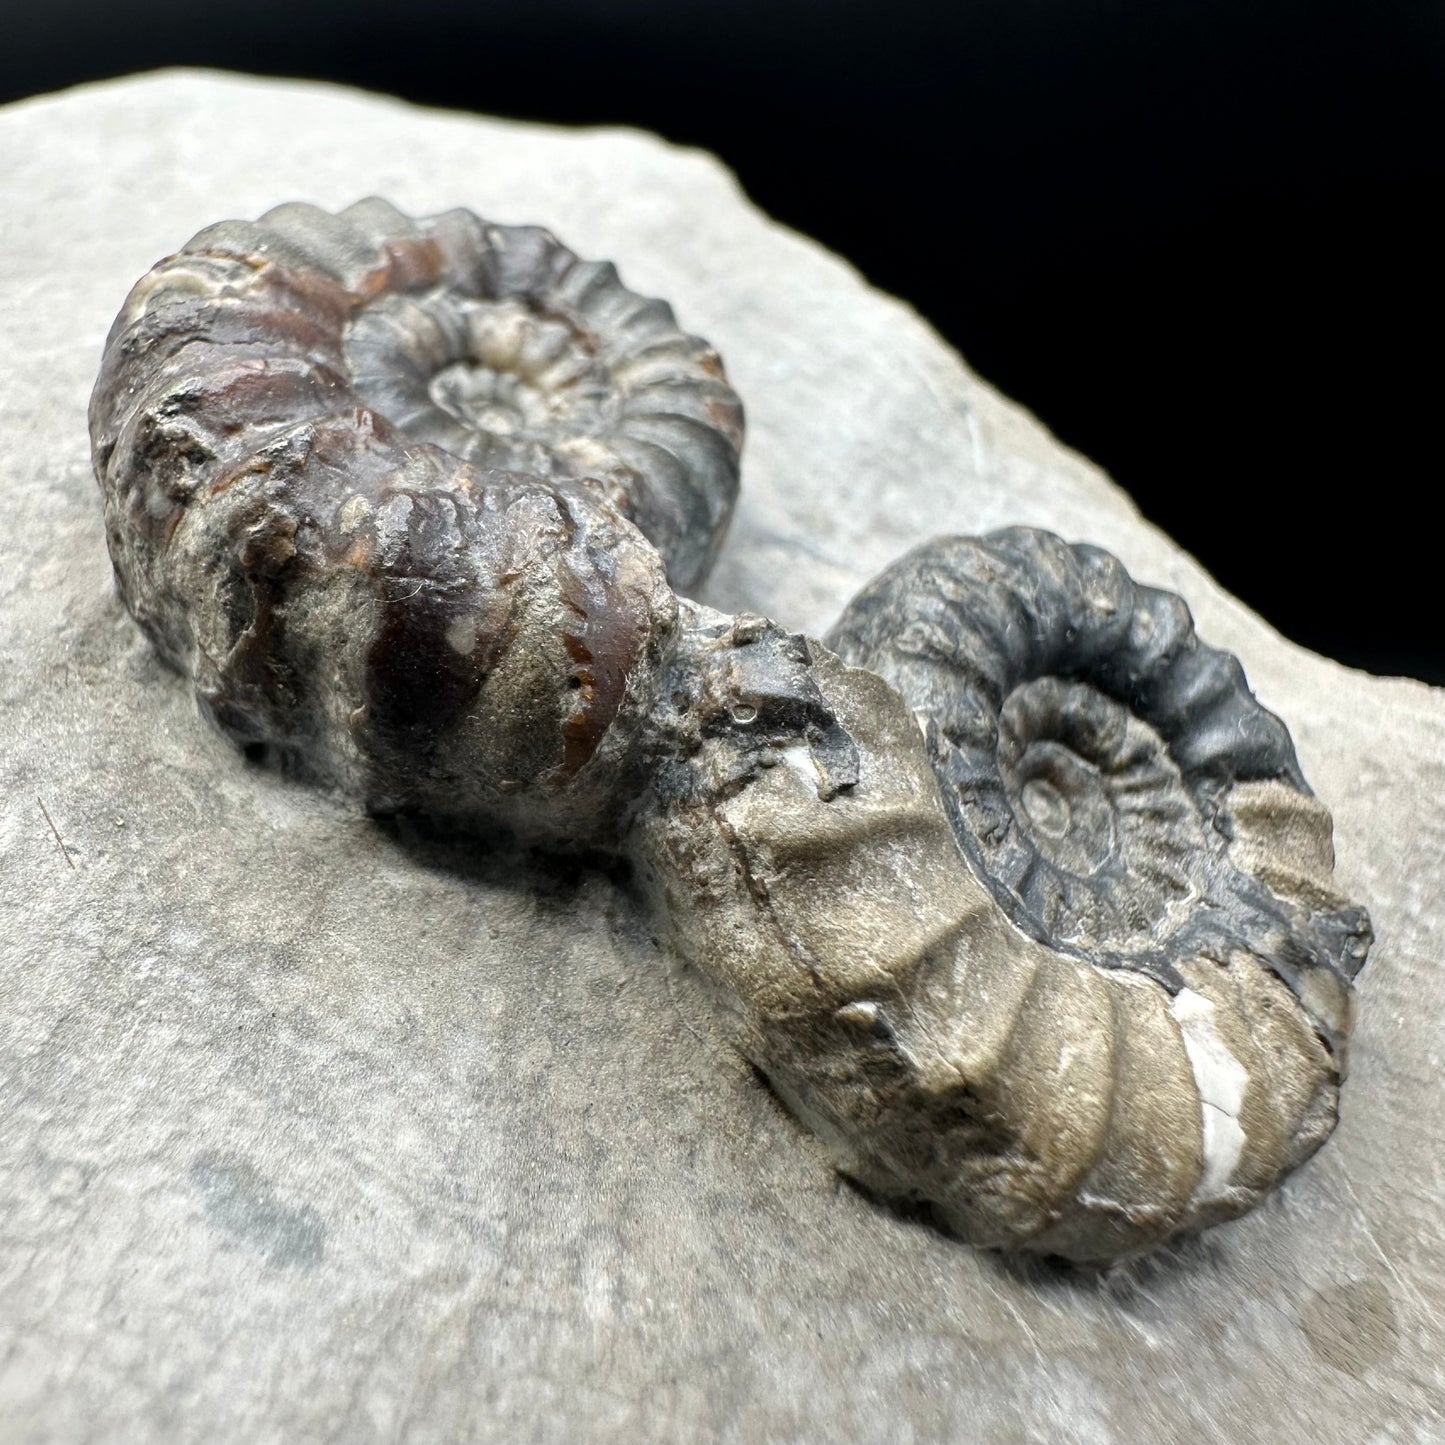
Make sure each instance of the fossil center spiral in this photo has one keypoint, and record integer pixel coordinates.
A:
(500, 382)
(1055, 775)
(1062, 801)
(480, 397)
(1097, 798)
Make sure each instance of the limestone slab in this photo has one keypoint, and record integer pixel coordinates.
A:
(312, 1130)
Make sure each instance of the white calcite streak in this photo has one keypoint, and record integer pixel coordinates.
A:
(1221, 1079)
(800, 760)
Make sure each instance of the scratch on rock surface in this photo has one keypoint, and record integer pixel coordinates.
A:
(1405, 1287)
(65, 852)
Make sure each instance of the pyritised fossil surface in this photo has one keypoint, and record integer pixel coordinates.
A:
(1013, 891)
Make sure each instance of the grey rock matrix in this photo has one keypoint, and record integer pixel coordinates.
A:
(315, 1130)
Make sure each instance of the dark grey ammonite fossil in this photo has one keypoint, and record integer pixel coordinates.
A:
(1013, 891)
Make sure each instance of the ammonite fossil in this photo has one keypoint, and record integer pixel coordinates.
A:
(370, 481)
(1014, 892)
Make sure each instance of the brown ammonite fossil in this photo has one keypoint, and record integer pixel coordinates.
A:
(375, 485)
(1014, 891)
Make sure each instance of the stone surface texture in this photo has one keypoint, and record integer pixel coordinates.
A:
(312, 1130)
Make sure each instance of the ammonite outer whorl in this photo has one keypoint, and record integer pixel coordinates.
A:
(373, 482)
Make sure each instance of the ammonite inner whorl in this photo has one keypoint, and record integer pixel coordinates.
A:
(366, 479)
(1105, 770)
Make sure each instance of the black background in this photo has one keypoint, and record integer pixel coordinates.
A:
(1195, 238)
